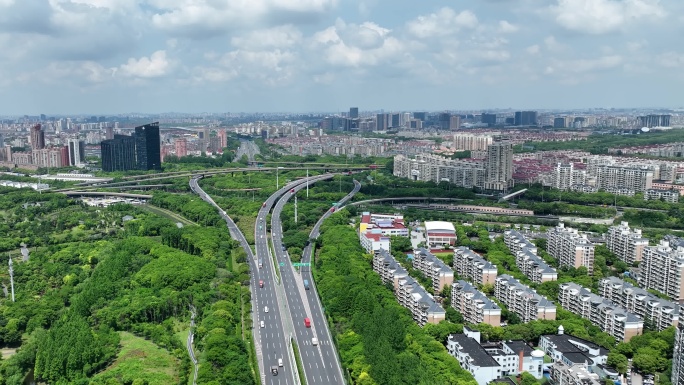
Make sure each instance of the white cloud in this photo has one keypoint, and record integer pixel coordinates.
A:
(156, 65)
(671, 59)
(580, 66)
(603, 16)
(277, 37)
(206, 18)
(533, 49)
(552, 44)
(442, 23)
(506, 27)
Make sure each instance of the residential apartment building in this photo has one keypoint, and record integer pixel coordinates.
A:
(534, 267)
(657, 313)
(472, 266)
(612, 319)
(495, 172)
(570, 248)
(565, 176)
(471, 142)
(389, 269)
(474, 305)
(522, 300)
(515, 242)
(433, 268)
(423, 307)
(678, 357)
(526, 258)
(634, 178)
(627, 244)
(499, 163)
(670, 196)
(662, 269)
(409, 293)
(489, 361)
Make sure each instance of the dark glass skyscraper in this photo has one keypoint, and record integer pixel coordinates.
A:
(148, 147)
(118, 154)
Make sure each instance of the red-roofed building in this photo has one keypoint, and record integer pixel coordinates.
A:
(387, 224)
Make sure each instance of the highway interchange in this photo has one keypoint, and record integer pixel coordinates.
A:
(272, 341)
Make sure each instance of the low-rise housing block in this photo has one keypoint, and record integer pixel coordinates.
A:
(433, 268)
(472, 266)
(570, 248)
(610, 318)
(474, 305)
(522, 300)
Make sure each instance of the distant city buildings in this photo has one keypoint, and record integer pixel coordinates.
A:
(494, 173)
(570, 248)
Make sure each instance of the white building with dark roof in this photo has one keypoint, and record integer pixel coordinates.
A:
(662, 269)
(489, 361)
(570, 248)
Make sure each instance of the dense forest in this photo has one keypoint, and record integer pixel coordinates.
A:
(78, 293)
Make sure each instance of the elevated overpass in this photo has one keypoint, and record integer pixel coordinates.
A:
(105, 194)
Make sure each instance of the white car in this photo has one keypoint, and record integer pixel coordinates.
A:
(262, 324)
(265, 309)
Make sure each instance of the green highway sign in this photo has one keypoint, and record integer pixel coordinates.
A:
(282, 264)
(297, 264)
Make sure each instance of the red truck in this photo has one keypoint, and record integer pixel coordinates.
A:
(307, 322)
(332, 209)
(261, 283)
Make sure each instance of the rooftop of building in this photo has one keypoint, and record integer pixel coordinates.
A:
(423, 252)
(639, 292)
(462, 250)
(391, 262)
(541, 300)
(478, 354)
(464, 286)
(542, 266)
(563, 343)
(440, 226)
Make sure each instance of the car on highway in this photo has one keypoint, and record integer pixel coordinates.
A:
(261, 283)
(265, 309)
(292, 191)
(307, 322)
(314, 341)
(280, 362)
(274, 370)
(264, 205)
(262, 324)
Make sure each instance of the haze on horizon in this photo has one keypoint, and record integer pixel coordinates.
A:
(117, 56)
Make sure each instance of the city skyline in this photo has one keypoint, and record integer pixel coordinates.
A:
(326, 55)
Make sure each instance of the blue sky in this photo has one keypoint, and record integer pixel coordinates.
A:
(118, 56)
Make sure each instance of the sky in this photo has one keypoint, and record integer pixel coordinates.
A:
(123, 56)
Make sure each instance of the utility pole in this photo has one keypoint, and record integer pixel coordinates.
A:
(277, 173)
(295, 209)
(307, 182)
(11, 272)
